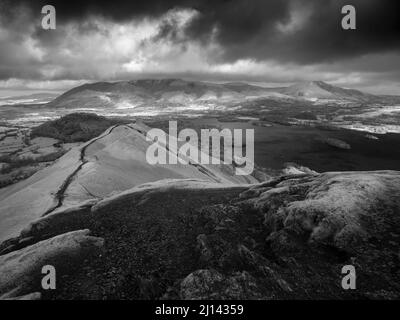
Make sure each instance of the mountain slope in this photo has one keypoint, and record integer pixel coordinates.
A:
(131, 94)
(146, 97)
(113, 162)
(322, 90)
(36, 98)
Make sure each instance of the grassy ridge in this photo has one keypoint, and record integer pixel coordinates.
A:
(75, 127)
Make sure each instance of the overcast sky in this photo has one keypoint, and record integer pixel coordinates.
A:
(274, 42)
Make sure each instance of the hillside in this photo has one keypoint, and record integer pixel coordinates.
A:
(111, 163)
(322, 90)
(75, 127)
(187, 239)
(188, 95)
(132, 94)
(35, 98)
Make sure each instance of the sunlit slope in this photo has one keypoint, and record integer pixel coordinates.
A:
(113, 162)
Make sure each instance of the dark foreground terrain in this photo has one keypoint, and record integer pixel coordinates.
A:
(286, 238)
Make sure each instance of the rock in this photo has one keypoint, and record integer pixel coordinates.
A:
(284, 285)
(26, 241)
(260, 264)
(202, 245)
(292, 170)
(8, 249)
(210, 284)
(282, 243)
(251, 258)
(372, 137)
(333, 206)
(65, 219)
(30, 296)
(20, 270)
(333, 209)
(295, 169)
(3, 166)
(256, 190)
(336, 143)
(150, 288)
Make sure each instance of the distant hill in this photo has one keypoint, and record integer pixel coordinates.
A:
(35, 98)
(131, 94)
(196, 95)
(322, 90)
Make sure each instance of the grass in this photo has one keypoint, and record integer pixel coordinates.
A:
(75, 127)
(16, 163)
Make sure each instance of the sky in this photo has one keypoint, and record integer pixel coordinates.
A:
(270, 42)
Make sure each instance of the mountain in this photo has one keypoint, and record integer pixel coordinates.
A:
(36, 98)
(132, 94)
(321, 90)
(149, 97)
(111, 163)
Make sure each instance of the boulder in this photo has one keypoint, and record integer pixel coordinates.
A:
(336, 143)
(20, 271)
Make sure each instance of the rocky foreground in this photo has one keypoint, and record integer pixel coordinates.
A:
(285, 238)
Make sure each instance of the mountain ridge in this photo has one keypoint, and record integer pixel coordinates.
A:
(130, 94)
(110, 163)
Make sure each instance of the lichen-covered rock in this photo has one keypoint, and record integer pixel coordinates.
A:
(337, 207)
(20, 270)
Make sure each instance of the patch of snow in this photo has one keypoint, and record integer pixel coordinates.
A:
(377, 129)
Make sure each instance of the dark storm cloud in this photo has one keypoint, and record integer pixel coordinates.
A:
(118, 10)
(253, 40)
(248, 29)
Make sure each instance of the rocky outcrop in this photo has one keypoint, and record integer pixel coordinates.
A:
(338, 209)
(20, 271)
(336, 143)
(210, 284)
